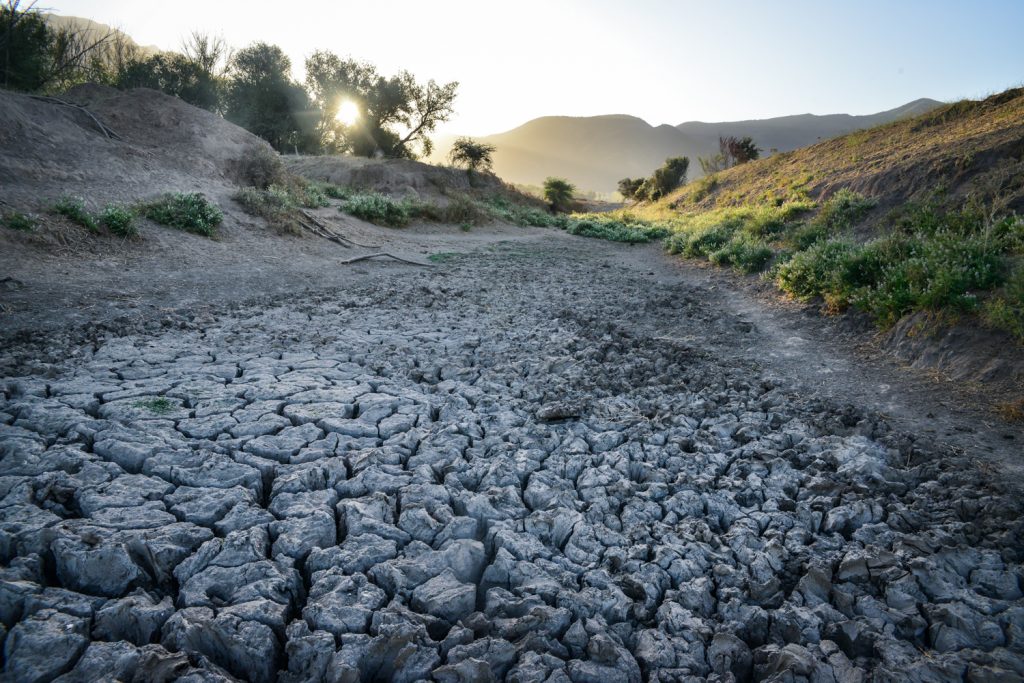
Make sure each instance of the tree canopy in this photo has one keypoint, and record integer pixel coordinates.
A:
(397, 113)
(558, 192)
(473, 155)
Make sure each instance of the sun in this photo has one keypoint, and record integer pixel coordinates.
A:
(348, 112)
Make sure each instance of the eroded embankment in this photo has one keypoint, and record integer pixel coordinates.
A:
(513, 469)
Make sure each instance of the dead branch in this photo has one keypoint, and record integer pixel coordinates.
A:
(56, 100)
(384, 253)
(330, 233)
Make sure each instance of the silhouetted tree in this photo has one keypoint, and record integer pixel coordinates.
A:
(475, 156)
(671, 175)
(732, 151)
(36, 57)
(174, 74)
(628, 187)
(262, 98)
(558, 192)
(397, 113)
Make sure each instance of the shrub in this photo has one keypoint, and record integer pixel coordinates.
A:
(464, 211)
(614, 230)
(119, 220)
(73, 208)
(844, 209)
(558, 192)
(1005, 310)
(815, 271)
(191, 212)
(19, 221)
(378, 208)
(260, 168)
(744, 254)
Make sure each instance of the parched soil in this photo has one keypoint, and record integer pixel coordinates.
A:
(544, 458)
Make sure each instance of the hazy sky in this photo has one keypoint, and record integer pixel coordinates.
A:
(664, 61)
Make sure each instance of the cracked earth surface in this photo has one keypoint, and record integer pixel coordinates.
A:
(533, 469)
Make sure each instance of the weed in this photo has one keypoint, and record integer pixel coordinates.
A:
(73, 208)
(604, 227)
(19, 221)
(442, 256)
(1005, 310)
(745, 255)
(378, 208)
(119, 220)
(159, 405)
(260, 168)
(190, 212)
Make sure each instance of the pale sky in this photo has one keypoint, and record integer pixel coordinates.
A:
(664, 61)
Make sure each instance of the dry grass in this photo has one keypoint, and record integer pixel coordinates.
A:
(964, 148)
(1011, 411)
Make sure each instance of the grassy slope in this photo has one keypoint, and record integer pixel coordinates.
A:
(917, 215)
(969, 147)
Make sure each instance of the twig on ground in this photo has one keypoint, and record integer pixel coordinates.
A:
(321, 229)
(56, 100)
(384, 253)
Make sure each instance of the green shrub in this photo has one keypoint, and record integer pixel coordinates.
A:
(602, 227)
(191, 212)
(334, 191)
(744, 254)
(119, 220)
(464, 211)
(1005, 310)
(843, 210)
(815, 271)
(73, 208)
(19, 221)
(378, 208)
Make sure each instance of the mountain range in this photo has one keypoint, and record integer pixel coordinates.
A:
(595, 152)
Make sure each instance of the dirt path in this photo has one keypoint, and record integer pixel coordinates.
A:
(544, 458)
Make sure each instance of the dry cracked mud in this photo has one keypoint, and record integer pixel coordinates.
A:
(529, 467)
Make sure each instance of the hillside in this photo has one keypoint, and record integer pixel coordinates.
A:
(965, 148)
(596, 152)
(915, 224)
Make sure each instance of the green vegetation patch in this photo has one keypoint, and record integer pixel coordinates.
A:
(191, 212)
(159, 405)
(21, 222)
(615, 229)
(119, 219)
(73, 208)
(379, 208)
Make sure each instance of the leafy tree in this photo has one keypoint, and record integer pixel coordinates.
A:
(475, 156)
(37, 57)
(671, 175)
(397, 112)
(174, 74)
(732, 151)
(262, 98)
(741, 150)
(558, 192)
(628, 187)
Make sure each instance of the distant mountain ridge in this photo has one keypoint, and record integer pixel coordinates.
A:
(595, 152)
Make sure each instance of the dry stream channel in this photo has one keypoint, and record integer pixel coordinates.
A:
(530, 463)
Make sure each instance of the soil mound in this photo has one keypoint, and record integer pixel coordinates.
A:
(153, 143)
(397, 177)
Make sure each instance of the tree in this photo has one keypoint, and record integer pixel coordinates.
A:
(262, 98)
(629, 187)
(671, 175)
(732, 151)
(174, 74)
(397, 113)
(36, 57)
(558, 192)
(475, 156)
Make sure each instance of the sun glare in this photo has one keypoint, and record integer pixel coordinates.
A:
(348, 112)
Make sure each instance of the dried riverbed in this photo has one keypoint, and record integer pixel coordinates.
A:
(531, 463)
